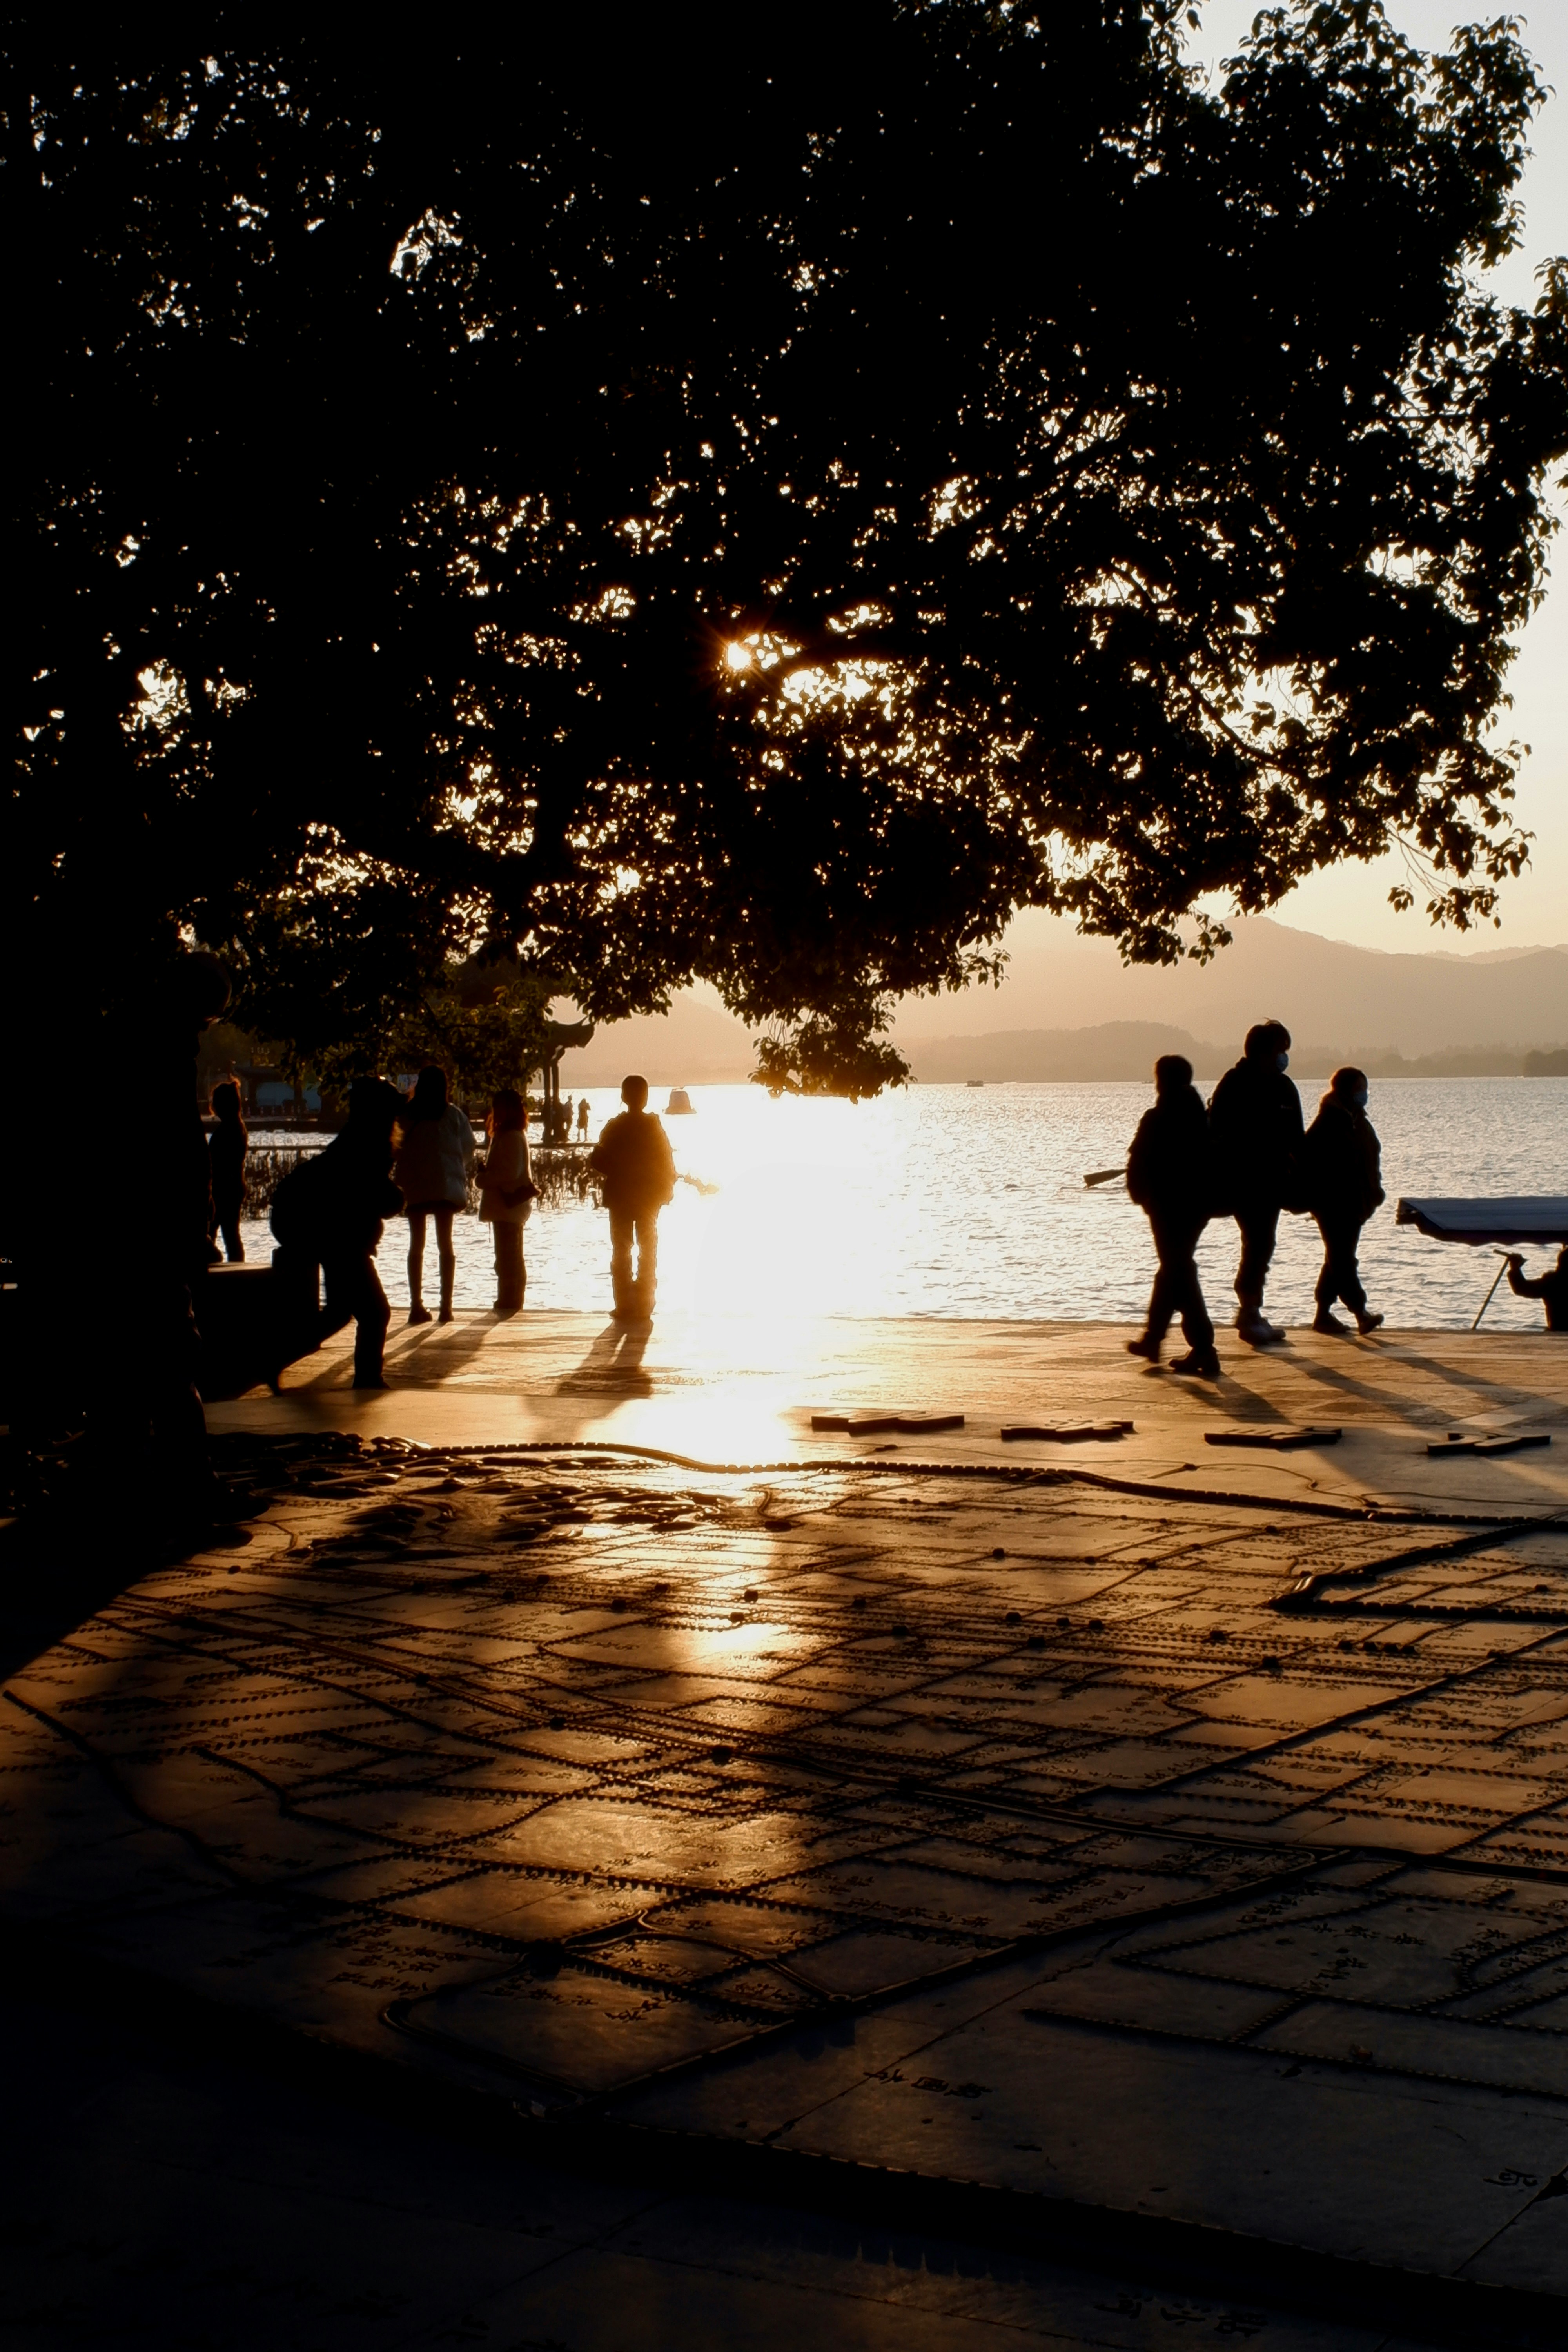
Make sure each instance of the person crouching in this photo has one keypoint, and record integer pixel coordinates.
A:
(329, 1211)
(1344, 1185)
(1168, 1175)
(506, 1193)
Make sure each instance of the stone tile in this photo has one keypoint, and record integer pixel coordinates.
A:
(1344, 2165)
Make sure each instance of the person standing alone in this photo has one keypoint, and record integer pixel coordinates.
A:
(1254, 1122)
(634, 1157)
(1344, 1184)
(507, 1192)
(434, 1161)
(1168, 1175)
(226, 1148)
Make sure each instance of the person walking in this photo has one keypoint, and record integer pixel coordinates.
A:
(226, 1148)
(1170, 1177)
(1256, 1127)
(330, 1212)
(506, 1193)
(1552, 1288)
(434, 1161)
(1343, 1163)
(634, 1157)
(583, 1120)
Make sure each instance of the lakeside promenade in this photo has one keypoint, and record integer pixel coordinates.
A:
(913, 1886)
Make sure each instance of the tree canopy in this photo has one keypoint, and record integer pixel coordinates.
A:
(700, 496)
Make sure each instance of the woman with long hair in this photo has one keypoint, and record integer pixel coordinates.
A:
(507, 1192)
(434, 1161)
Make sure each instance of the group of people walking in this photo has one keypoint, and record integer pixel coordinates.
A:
(1249, 1155)
(415, 1155)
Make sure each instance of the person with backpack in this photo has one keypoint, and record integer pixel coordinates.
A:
(227, 1147)
(1343, 1162)
(634, 1157)
(506, 1193)
(1170, 1177)
(329, 1212)
(434, 1161)
(1255, 1123)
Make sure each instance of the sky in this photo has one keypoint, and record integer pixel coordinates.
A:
(1350, 902)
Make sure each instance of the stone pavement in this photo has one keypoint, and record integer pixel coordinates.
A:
(1159, 1878)
(745, 1387)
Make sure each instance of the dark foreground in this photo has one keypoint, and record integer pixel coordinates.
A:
(568, 1900)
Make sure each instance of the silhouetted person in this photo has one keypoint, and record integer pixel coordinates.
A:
(1552, 1288)
(507, 1192)
(1343, 1163)
(329, 1211)
(583, 1120)
(226, 1148)
(1170, 1176)
(634, 1157)
(1255, 1125)
(434, 1163)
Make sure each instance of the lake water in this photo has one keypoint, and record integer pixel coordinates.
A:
(952, 1201)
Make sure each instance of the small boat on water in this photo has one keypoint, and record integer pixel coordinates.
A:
(679, 1104)
(974, 1082)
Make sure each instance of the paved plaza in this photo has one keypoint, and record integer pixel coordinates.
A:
(791, 1861)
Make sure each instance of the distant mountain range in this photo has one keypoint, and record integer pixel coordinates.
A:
(1128, 1049)
(1069, 1008)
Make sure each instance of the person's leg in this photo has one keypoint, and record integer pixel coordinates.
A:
(1157, 1321)
(1339, 1278)
(1198, 1329)
(647, 1260)
(622, 1286)
(510, 1276)
(233, 1241)
(337, 1299)
(1259, 1225)
(417, 1310)
(447, 1259)
(371, 1315)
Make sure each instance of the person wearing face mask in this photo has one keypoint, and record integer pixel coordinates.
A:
(1256, 1130)
(1344, 1185)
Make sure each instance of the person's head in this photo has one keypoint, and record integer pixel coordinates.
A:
(428, 1099)
(1173, 1073)
(506, 1115)
(634, 1093)
(375, 1110)
(1349, 1085)
(1268, 1044)
(225, 1103)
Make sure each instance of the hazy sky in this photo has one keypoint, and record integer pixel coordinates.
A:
(1351, 901)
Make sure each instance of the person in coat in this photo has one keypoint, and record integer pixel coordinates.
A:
(434, 1161)
(1170, 1177)
(226, 1148)
(634, 1157)
(1254, 1126)
(507, 1192)
(329, 1211)
(1550, 1287)
(1344, 1184)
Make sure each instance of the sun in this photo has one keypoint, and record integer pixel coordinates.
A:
(739, 657)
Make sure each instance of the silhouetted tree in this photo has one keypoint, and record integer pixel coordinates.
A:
(754, 499)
